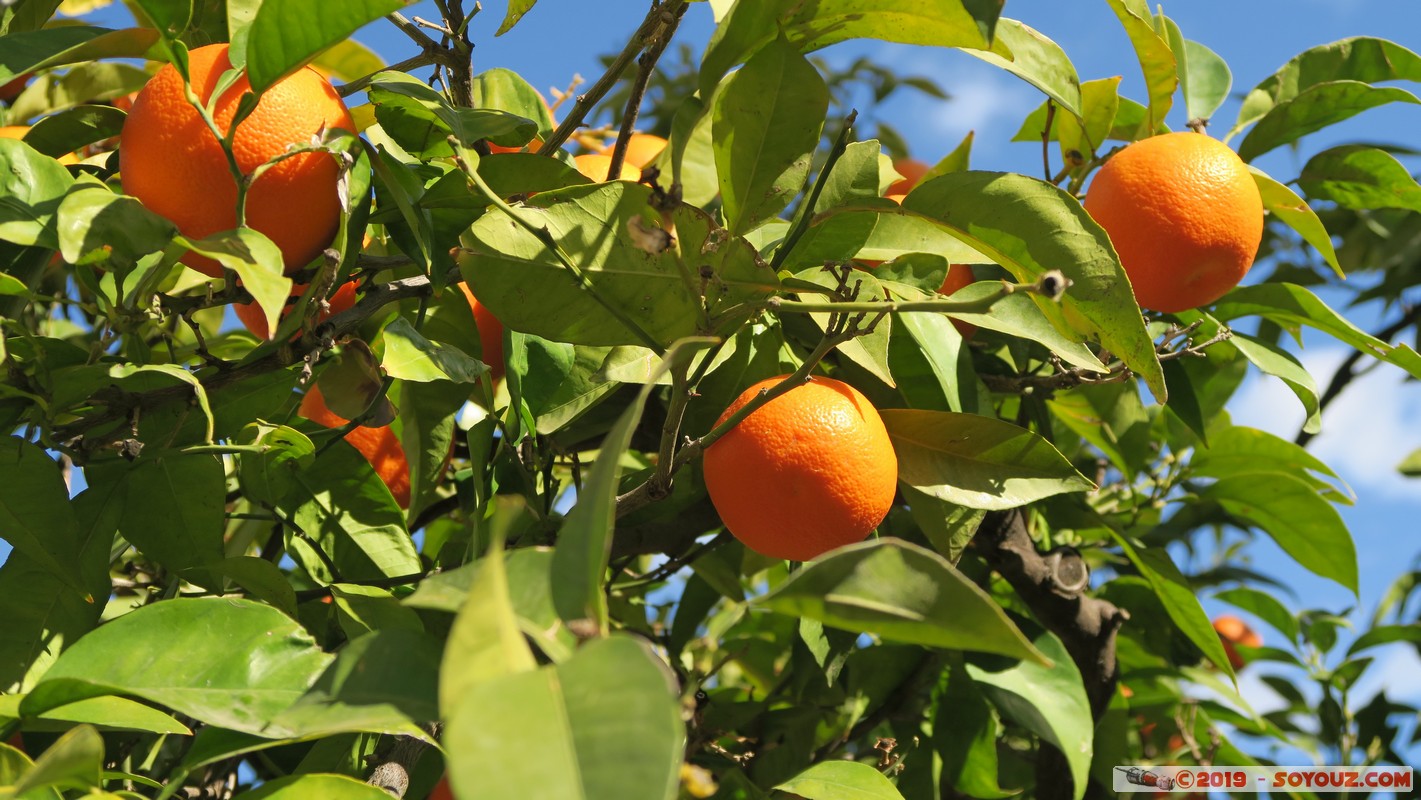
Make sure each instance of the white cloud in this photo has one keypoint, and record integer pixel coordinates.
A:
(1366, 431)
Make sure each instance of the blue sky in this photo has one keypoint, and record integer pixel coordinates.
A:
(1365, 433)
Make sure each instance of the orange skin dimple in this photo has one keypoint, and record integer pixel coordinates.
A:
(1184, 215)
(490, 334)
(380, 446)
(255, 321)
(169, 159)
(597, 167)
(809, 471)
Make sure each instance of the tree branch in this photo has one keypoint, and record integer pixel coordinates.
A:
(1347, 371)
(1115, 373)
(660, 16)
(646, 65)
(1053, 585)
(399, 759)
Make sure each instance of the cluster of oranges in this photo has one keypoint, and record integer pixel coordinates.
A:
(809, 471)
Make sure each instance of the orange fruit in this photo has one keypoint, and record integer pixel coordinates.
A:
(1233, 631)
(380, 446)
(442, 791)
(170, 160)
(255, 321)
(13, 87)
(1183, 213)
(19, 131)
(490, 334)
(642, 149)
(809, 471)
(598, 167)
(912, 171)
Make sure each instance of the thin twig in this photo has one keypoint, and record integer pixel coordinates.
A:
(646, 66)
(807, 213)
(661, 14)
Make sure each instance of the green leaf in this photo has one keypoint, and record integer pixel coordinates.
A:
(120, 227)
(855, 176)
(1361, 58)
(502, 89)
(484, 643)
(104, 713)
(26, 15)
(964, 733)
(941, 346)
(585, 542)
(257, 261)
(70, 130)
(384, 681)
(1003, 216)
(1100, 104)
(76, 761)
(874, 234)
(243, 662)
(1411, 465)
(1294, 212)
(1036, 60)
(976, 461)
(1304, 524)
(343, 506)
(753, 24)
(31, 51)
(172, 511)
(262, 580)
(31, 189)
(421, 120)
(841, 780)
(1292, 306)
(948, 527)
(266, 476)
(1048, 700)
(1313, 109)
(169, 16)
(766, 122)
(1209, 80)
(1264, 606)
(1360, 177)
(35, 515)
(902, 593)
(1178, 597)
(326, 787)
(287, 33)
(1281, 364)
(347, 60)
(505, 265)
(605, 723)
(1385, 634)
(411, 357)
(869, 351)
(1236, 451)
(516, 10)
(1156, 62)
(363, 609)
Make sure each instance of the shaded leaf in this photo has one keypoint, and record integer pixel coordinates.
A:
(841, 780)
(1292, 211)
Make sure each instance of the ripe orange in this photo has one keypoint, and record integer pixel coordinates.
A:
(912, 171)
(490, 334)
(598, 167)
(642, 149)
(171, 161)
(18, 132)
(1233, 631)
(380, 446)
(1183, 213)
(809, 471)
(255, 321)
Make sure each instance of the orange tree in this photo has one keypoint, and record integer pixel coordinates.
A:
(422, 544)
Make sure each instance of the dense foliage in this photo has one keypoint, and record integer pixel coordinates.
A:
(212, 593)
